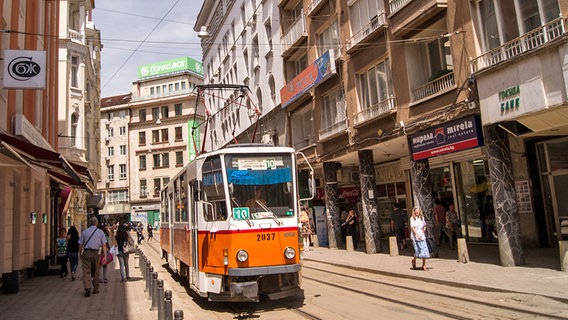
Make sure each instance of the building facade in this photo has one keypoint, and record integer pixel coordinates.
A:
(79, 102)
(405, 101)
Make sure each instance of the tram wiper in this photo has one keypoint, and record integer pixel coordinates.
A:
(267, 209)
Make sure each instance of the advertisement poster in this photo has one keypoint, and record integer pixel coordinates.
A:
(321, 226)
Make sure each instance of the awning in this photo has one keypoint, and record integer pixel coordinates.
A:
(58, 167)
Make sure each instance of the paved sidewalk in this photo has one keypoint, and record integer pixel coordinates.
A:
(539, 276)
(52, 297)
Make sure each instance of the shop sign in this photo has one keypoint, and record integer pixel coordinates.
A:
(317, 72)
(169, 66)
(24, 69)
(456, 135)
(350, 193)
(509, 99)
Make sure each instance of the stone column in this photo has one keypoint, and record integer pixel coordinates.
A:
(507, 219)
(333, 214)
(422, 196)
(369, 199)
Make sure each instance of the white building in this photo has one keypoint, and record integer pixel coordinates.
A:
(242, 46)
(79, 98)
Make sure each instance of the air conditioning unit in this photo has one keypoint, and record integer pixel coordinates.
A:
(266, 139)
(107, 158)
(107, 139)
(107, 181)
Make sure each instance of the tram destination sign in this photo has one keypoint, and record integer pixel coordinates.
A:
(452, 136)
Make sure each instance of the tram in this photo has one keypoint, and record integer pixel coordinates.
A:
(229, 223)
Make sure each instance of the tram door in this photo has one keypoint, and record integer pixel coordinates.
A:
(553, 168)
(194, 253)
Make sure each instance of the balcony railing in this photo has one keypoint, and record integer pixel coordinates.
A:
(434, 87)
(75, 36)
(376, 110)
(338, 127)
(297, 30)
(314, 5)
(377, 22)
(161, 95)
(532, 40)
(310, 139)
(396, 5)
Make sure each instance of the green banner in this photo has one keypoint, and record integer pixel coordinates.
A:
(169, 66)
(194, 142)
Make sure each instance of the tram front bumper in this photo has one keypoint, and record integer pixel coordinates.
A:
(247, 289)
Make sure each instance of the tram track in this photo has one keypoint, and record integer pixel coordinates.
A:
(440, 300)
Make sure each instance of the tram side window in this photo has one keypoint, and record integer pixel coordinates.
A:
(183, 199)
(164, 214)
(177, 208)
(213, 191)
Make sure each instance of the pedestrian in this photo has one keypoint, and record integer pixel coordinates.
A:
(439, 221)
(139, 232)
(350, 226)
(150, 230)
(73, 250)
(61, 243)
(453, 225)
(418, 237)
(398, 225)
(104, 266)
(123, 239)
(92, 240)
(306, 229)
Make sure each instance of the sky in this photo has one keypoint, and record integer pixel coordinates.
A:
(137, 32)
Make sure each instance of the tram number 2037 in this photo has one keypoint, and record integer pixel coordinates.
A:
(265, 236)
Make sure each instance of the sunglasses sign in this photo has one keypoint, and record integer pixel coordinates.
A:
(24, 69)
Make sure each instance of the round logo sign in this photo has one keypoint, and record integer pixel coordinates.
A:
(144, 71)
(23, 68)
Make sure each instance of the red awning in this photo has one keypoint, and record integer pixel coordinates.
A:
(58, 167)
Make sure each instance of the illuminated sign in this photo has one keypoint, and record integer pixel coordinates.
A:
(170, 66)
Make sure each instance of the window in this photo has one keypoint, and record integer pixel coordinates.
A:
(142, 138)
(117, 196)
(178, 109)
(110, 115)
(165, 136)
(123, 150)
(179, 158)
(157, 162)
(158, 90)
(375, 85)
(110, 151)
(165, 111)
(75, 72)
(122, 130)
(110, 132)
(157, 186)
(171, 87)
(122, 114)
(213, 190)
(362, 12)
(176, 86)
(334, 110)
(155, 114)
(164, 88)
(302, 128)
(110, 172)
(179, 133)
(143, 188)
(166, 160)
(142, 114)
(122, 170)
(328, 39)
(74, 124)
(155, 136)
(142, 162)
(183, 85)
(152, 91)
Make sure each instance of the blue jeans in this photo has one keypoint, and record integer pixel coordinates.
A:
(73, 261)
(123, 262)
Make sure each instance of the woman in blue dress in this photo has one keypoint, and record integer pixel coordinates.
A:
(418, 237)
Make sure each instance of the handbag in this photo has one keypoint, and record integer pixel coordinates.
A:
(108, 260)
(130, 247)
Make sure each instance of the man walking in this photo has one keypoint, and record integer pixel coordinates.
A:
(91, 241)
(398, 225)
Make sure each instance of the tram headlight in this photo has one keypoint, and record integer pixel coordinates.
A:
(289, 253)
(242, 255)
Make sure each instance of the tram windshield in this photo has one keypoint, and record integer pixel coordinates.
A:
(260, 186)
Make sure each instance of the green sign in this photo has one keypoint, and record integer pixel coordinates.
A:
(169, 66)
(193, 142)
(509, 99)
(241, 213)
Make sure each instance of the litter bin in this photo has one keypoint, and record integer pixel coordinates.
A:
(42, 267)
(10, 282)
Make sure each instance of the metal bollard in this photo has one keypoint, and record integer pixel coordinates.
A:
(149, 279)
(160, 299)
(178, 315)
(150, 296)
(168, 305)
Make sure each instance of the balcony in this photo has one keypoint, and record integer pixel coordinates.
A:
(375, 111)
(396, 5)
(334, 129)
(315, 5)
(294, 34)
(377, 22)
(435, 87)
(161, 95)
(76, 36)
(530, 41)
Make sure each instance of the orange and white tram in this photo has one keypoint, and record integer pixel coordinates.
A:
(229, 223)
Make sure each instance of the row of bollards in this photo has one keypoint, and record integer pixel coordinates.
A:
(161, 300)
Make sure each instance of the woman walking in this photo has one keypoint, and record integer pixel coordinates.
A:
(418, 237)
(122, 239)
(61, 243)
(73, 250)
